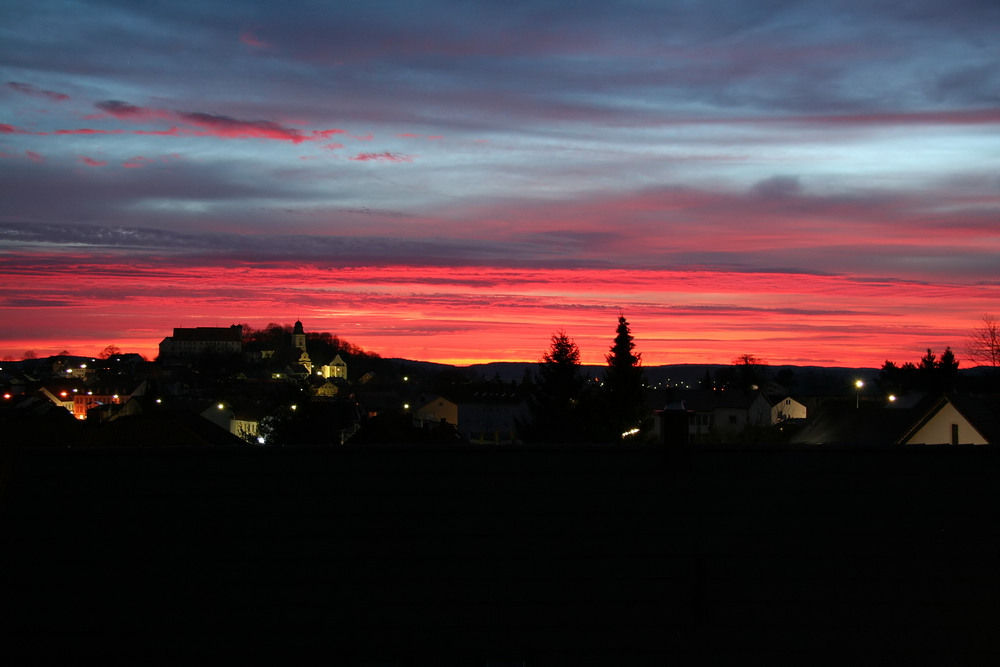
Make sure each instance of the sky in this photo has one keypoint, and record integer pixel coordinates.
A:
(812, 183)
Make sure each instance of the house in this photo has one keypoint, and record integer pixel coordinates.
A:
(933, 420)
(62, 393)
(787, 409)
(957, 420)
(490, 416)
(101, 396)
(438, 409)
(324, 388)
(243, 421)
(335, 369)
(722, 414)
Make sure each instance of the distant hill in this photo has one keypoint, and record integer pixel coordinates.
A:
(806, 380)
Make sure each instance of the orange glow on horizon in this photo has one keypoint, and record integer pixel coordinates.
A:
(465, 315)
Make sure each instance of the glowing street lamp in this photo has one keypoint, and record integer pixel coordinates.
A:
(857, 393)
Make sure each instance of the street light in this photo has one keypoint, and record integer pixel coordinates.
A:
(857, 393)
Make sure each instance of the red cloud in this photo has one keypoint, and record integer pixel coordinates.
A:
(85, 130)
(34, 157)
(127, 111)
(172, 132)
(318, 135)
(250, 39)
(209, 124)
(333, 146)
(226, 126)
(7, 128)
(384, 156)
(91, 162)
(28, 89)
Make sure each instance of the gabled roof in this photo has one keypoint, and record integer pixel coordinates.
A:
(864, 424)
(982, 411)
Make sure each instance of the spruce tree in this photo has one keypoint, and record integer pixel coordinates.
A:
(624, 382)
(555, 396)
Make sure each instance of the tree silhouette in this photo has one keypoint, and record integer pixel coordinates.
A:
(946, 371)
(110, 351)
(624, 382)
(930, 374)
(984, 343)
(554, 401)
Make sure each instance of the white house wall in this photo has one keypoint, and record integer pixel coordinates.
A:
(938, 430)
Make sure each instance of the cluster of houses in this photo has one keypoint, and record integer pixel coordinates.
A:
(125, 385)
(918, 419)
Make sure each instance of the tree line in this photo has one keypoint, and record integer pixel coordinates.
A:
(565, 406)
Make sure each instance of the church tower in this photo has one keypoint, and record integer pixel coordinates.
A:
(299, 341)
(299, 336)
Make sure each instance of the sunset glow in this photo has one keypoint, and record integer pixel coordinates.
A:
(813, 185)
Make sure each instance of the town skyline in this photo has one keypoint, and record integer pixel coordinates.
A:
(809, 183)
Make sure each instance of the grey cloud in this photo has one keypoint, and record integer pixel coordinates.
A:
(214, 248)
(777, 187)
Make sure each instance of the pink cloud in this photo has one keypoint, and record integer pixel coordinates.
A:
(85, 130)
(137, 162)
(333, 146)
(250, 39)
(28, 89)
(384, 156)
(228, 127)
(91, 162)
(319, 135)
(126, 111)
(34, 157)
(201, 124)
(7, 128)
(209, 124)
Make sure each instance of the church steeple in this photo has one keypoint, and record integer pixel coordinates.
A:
(299, 336)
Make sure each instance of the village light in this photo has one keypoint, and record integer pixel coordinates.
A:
(892, 398)
(857, 393)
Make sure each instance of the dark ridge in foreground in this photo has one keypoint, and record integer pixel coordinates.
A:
(515, 556)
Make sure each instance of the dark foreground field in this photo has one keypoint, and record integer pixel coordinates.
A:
(384, 556)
